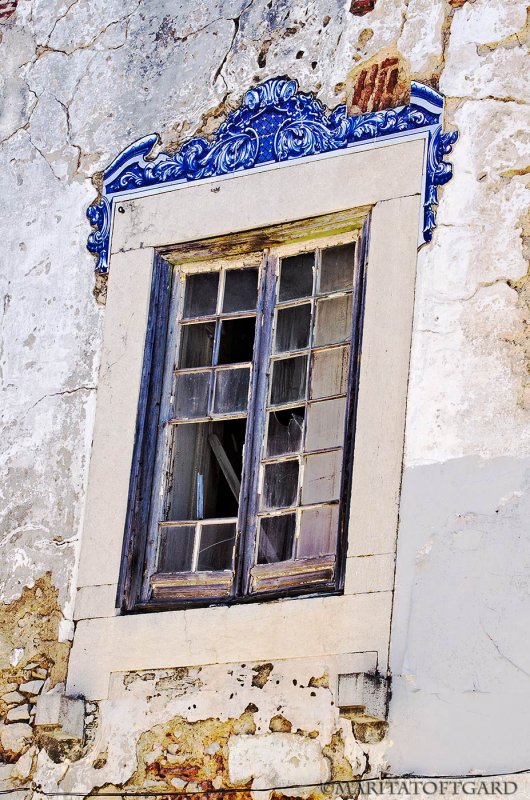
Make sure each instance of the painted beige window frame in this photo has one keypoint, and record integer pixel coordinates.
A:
(388, 178)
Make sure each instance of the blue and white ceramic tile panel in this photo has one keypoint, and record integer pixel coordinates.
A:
(275, 123)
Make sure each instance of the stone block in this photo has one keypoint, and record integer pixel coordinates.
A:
(16, 738)
(60, 716)
(362, 691)
(18, 714)
(13, 697)
(32, 687)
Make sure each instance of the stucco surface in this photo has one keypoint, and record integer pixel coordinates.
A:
(80, 80)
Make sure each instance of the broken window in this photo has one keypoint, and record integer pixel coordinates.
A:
(252, 460)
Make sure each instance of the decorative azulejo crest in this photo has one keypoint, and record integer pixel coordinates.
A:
(274, 123)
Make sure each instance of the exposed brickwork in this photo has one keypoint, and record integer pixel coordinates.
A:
(362, 7)
(382, 82)
(457, 3)
(7, 9)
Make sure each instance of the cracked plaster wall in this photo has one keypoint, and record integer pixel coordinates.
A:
(80, 80)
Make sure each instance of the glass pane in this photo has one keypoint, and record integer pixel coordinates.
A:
(318, 531)
(292, 328)
(231, 391)
(216, 549)
(296, 277)
(337, 268)
(284, 435)
(176, 548)
(191, 395)
(206, 468)
(333, 320)
(325, 424)
(200, 298)
(322, 477)
(276, 535)
(288, 380)
(280, 484)
(196, 345)
(329, 373)
(237, 340)
(241, 290)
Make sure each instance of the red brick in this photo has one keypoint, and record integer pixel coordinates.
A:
(7, 9)
(362, 7)
(383, 82)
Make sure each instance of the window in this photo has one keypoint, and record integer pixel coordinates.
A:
(244, 459)
(149, 238)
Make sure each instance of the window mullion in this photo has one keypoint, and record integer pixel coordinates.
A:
(256, 422)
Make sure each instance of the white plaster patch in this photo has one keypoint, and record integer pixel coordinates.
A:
(498, 72)
(486, 21)
(465, 310)
(424, 50)
(279, 759)
(456, 646)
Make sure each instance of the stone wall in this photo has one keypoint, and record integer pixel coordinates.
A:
(81, 80)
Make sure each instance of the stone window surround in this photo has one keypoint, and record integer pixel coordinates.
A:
(386, 176)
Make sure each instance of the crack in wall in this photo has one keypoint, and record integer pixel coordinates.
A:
(264, 46)
(61, 393)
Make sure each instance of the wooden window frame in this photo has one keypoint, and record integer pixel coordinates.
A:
(293, 578)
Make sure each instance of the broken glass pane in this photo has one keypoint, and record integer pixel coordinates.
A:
(231, 391)
(322, 477)
(216, 548)
(325, 424)
(329, 374)
(200, 298)
(336, 271)
(296, 277)
(284, 435)
(318, 531)
(241, 290)
(280, 484)
(288, 380)
(191, 395)
(292, 328)
(176, 548)
(276, 537)
(196, 345)
(206, 467)
(333, 323)
(237, 340)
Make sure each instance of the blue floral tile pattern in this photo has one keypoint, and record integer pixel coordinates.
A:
(274, 123)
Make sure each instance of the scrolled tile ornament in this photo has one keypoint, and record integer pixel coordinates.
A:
(274, 123)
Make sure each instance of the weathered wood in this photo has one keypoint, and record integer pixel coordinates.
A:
(210, 521)
(322, 573)
(292, 574)
(359, 289)
(146, 439)
(256, 431)
(191, 584)
(224, 462)
(297, 566)
(255, 240)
